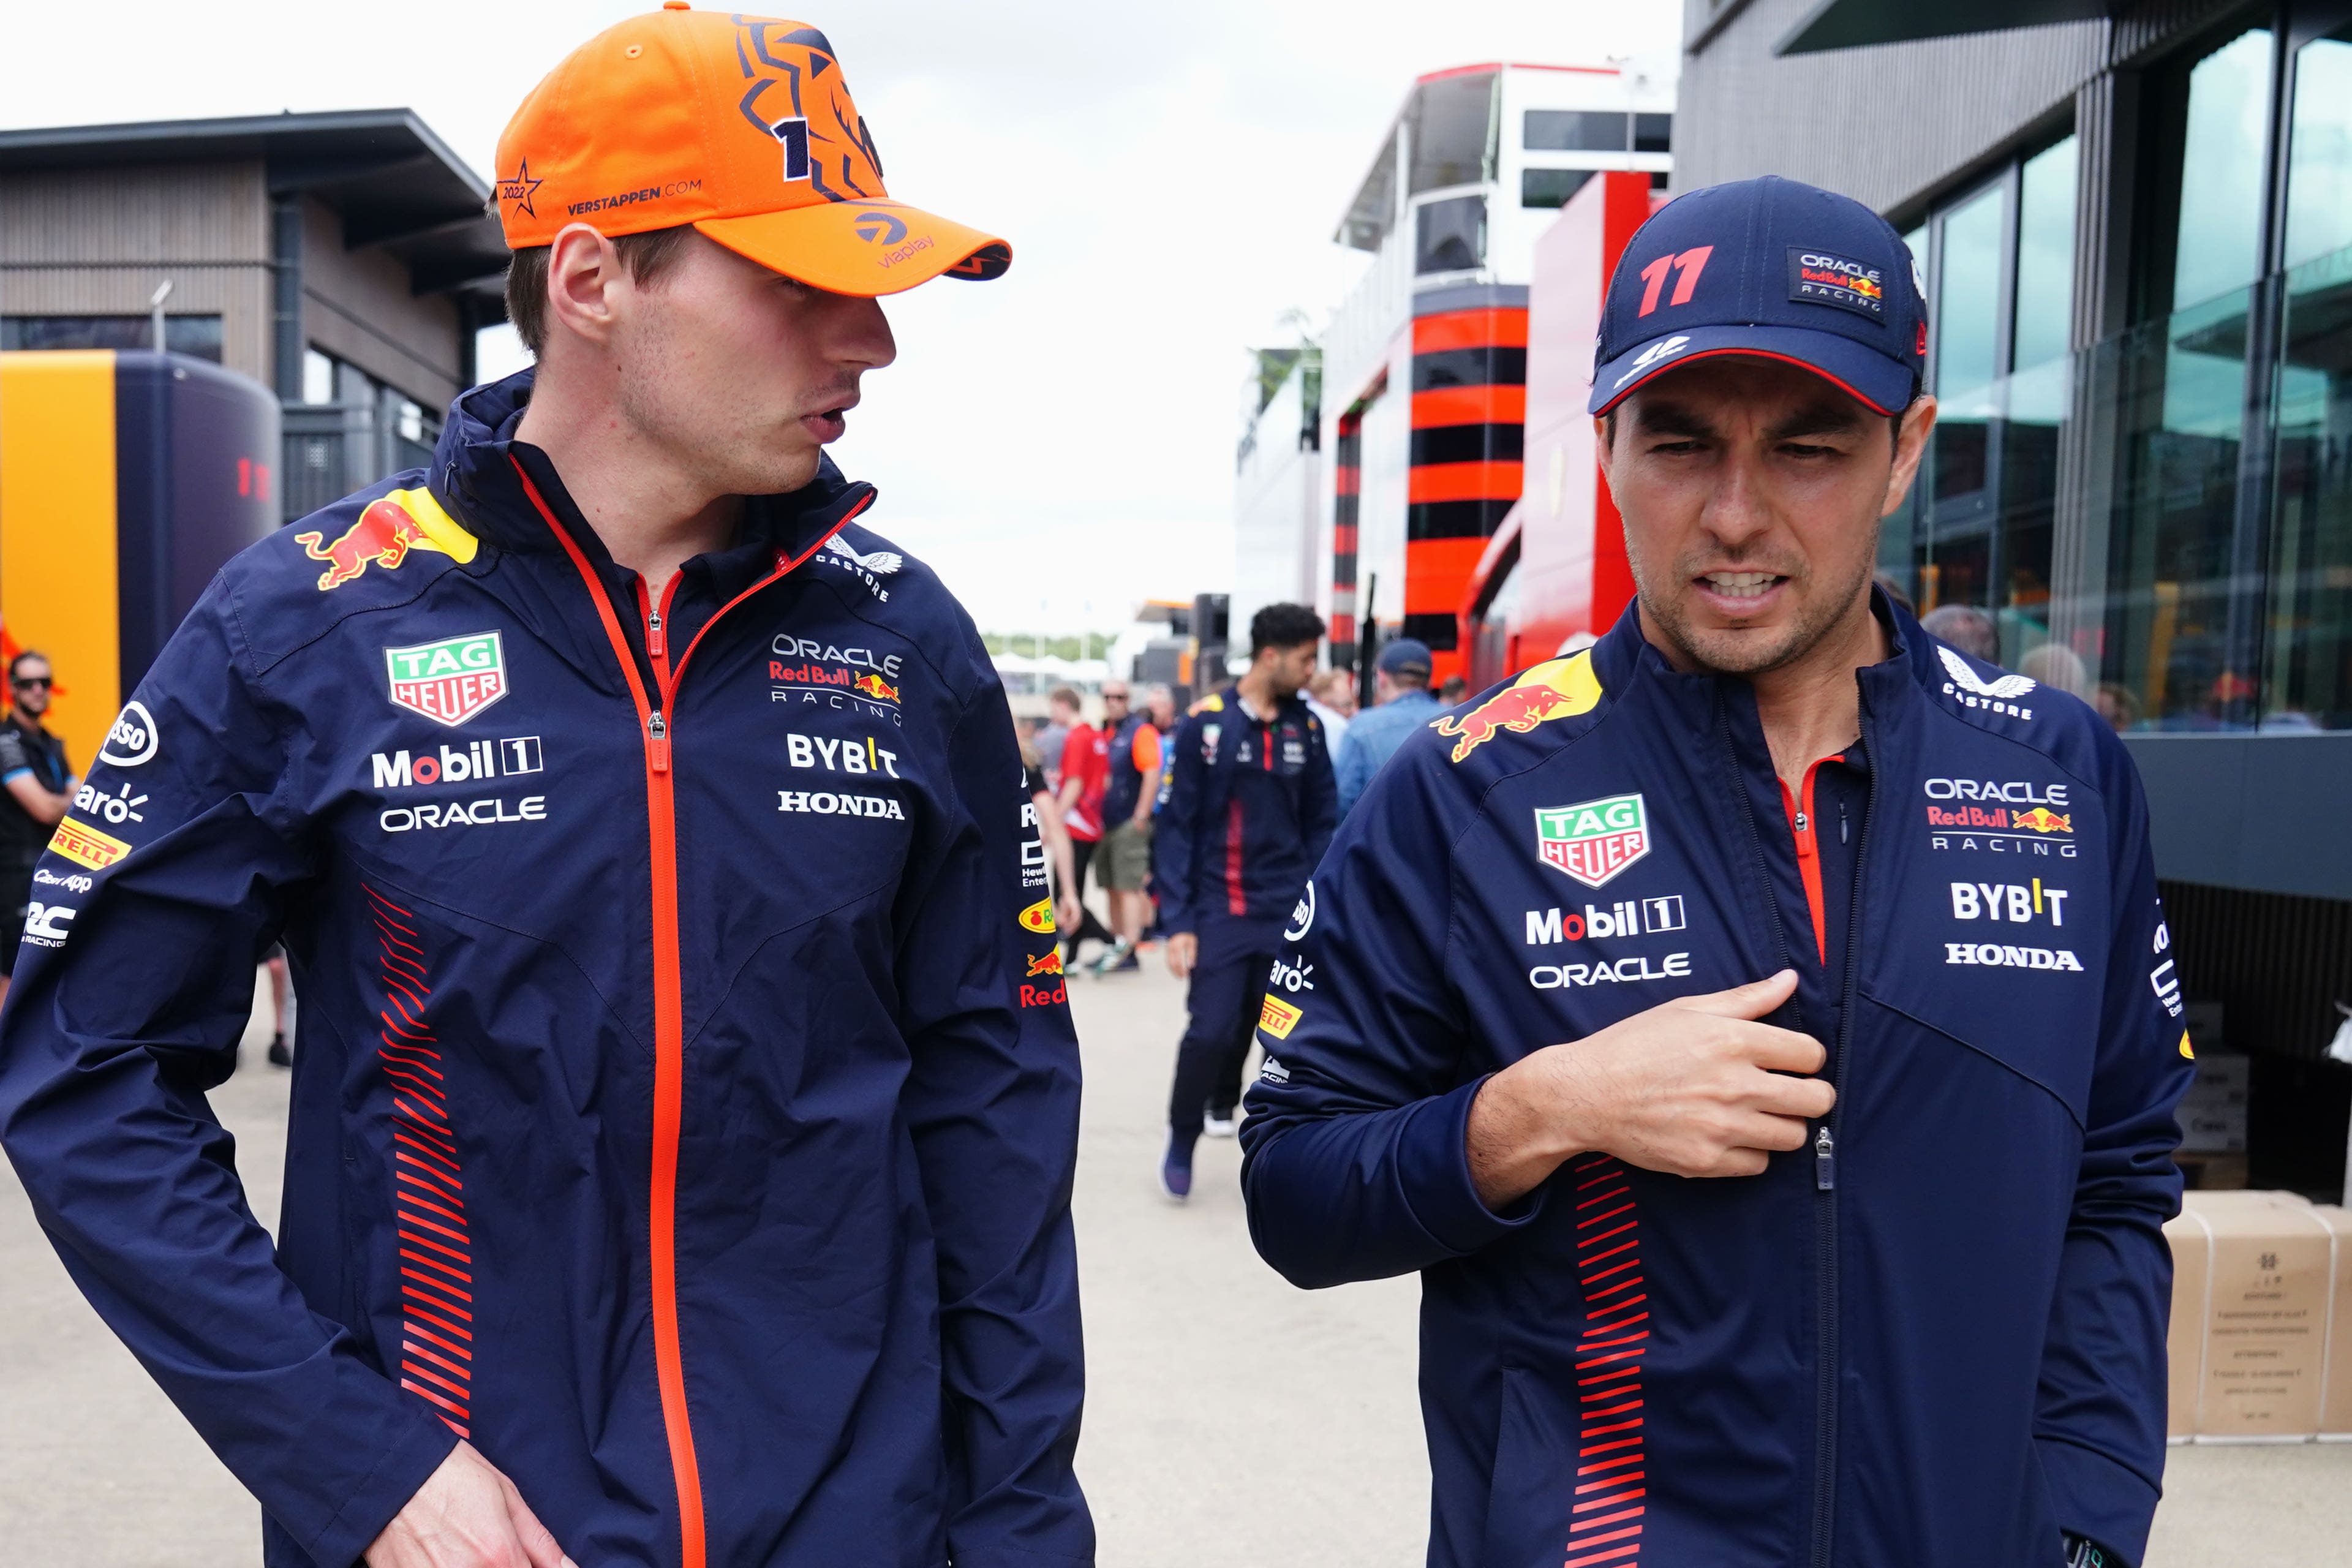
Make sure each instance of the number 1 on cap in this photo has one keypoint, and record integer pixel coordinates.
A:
(1691, 262)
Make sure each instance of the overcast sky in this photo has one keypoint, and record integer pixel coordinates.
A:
(1058, 444)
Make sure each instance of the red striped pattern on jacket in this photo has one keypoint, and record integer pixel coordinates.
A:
(1611, 1471)
(436, 1245)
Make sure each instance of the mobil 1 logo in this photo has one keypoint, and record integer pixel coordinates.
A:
(469, 763)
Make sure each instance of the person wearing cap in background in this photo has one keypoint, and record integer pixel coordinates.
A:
(1401, 683)
(1247, 808)
(685, 1108)
(1745, 1023)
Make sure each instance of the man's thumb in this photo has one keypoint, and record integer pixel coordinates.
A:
(1752, 1000)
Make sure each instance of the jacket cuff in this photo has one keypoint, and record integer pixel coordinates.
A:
(1433, 1164)
(404, 1468)
(2097, 1498)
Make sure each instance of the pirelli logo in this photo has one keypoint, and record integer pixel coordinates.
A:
(1277, 1018)
(86, 846)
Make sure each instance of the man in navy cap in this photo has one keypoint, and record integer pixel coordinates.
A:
(1758, 1029)
(1400, 685)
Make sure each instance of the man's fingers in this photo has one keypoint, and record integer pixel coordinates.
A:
(1806, 1099)
(537, 1543)
(1764, 1130)
(1778, 1050)
(1750, 1001)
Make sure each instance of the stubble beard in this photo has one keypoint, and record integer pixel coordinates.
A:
(1744, 653)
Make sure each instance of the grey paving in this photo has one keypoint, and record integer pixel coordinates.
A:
(1234, 1421)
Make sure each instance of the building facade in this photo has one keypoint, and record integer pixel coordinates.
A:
(1422, 375)
(2135, 222)
(345, 260)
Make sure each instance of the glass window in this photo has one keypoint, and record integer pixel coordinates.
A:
(1551, 188)
(318, 377)
(1450, 235)
(2045, 256)
(2310, 597)
(2319, 150)
(2180, 388)
(2220, 234)
(1374, 212)
(1451, 124)
(1967, 296)
(1653, 133)
(1577, 130)
(199, 337)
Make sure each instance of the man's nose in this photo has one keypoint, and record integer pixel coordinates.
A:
(1737, 512)
(862, 337)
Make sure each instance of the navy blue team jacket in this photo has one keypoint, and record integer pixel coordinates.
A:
(684, 1110)
(1935, 1337)
(1246, 808)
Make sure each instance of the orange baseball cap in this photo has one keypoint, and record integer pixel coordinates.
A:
(739, 125)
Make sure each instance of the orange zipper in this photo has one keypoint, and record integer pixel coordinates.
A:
(670, 1009)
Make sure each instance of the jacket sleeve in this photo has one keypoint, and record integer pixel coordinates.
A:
(992, 1102)
(1355, 1164)
(1174, 836)
(2100, 1411)
(112, 1036)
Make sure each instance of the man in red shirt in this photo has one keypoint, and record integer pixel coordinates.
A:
(1086, 770)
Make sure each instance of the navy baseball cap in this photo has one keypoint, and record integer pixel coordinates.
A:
(1772, 268)
(1404, 653)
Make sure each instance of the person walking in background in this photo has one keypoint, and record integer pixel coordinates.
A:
(1331, 696)
(40, 791)
(1065, 708)
(1401, 681)
(1452, 690)
(1086, 769)
(1250, 806)
(1131, 768)
(1966, 628)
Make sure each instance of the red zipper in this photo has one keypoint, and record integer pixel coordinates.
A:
(1804, 829)
(670, 1010)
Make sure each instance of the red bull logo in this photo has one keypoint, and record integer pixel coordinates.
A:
(1046, 963)
(876, 688)
(385, 533)
(2041, 819)
(1559, 689)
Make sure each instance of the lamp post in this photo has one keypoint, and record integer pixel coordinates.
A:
(155, 311)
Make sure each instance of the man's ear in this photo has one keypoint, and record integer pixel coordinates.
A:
(585, 276)
(1910, 446)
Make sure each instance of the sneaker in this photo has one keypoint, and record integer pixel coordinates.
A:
(1217, 1126)
(1176, 1171)
(1119, 955)
(279, 1056)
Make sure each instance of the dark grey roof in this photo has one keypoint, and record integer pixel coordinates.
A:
(1852, 24)
(396, 185)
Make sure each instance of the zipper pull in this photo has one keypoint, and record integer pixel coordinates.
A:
(654, 644)
(1840, 822)
(658, 744)
(1825, 1161)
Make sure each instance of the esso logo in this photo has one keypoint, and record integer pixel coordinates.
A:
(134, 739)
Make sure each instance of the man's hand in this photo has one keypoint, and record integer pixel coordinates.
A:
(1183, 950)
(1071, 914)
(466, 1515)
(1693, 1088)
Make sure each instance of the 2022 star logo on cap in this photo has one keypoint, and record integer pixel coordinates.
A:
(741, 126)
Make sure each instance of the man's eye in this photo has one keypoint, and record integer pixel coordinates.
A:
(1807, 449)
(1672, 448)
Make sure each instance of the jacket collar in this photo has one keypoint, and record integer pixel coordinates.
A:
(1625, 657)
(475, 480)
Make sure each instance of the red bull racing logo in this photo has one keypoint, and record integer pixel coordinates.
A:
(2041, 819)
(874, 686)
(385, 533)
(1046, 963)
(1559, 689)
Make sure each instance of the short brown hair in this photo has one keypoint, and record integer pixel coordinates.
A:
(646, 256)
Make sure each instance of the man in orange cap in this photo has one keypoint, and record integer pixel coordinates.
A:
(680, 1148)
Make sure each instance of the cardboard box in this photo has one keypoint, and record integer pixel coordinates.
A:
(2336, 1398)
(2184, 1340)
(2268, 1274)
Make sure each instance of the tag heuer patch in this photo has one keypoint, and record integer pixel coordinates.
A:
(1820, 278)
(1594, 840)
(448, 682)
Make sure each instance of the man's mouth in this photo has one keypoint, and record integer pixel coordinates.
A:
(828, 426)
(1739, 592)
